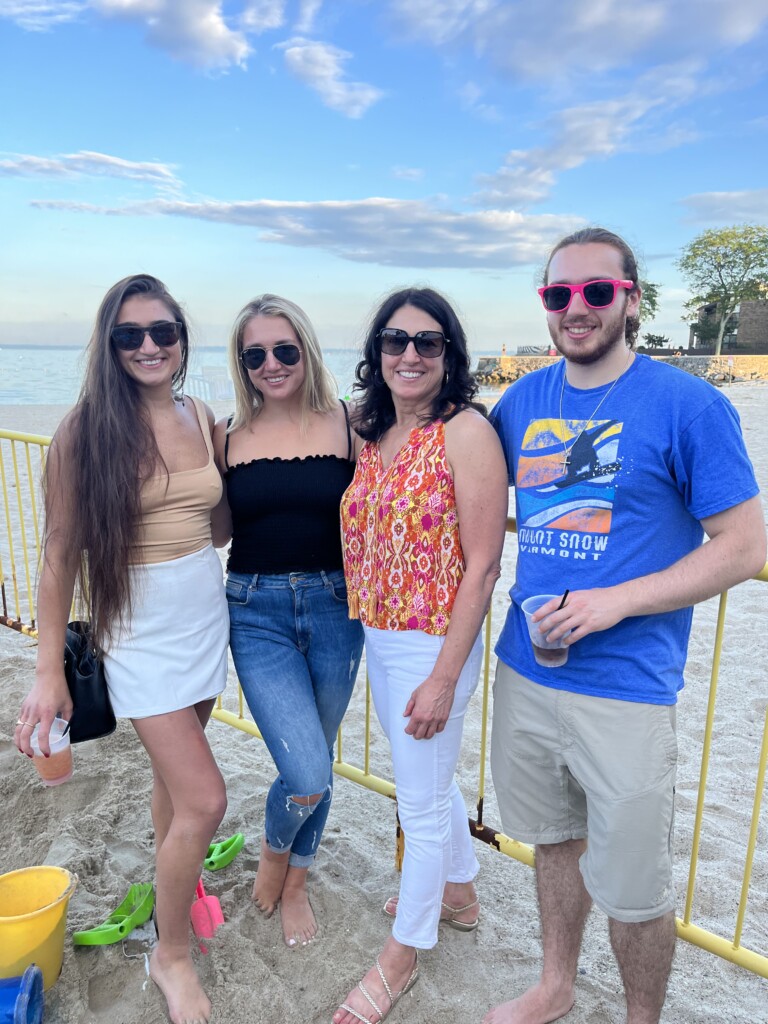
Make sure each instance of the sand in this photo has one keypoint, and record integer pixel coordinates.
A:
(98, 825)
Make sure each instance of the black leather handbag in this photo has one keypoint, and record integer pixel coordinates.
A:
(92, 716)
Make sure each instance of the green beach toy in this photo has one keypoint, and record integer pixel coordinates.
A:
(223, 853)
(135, 909)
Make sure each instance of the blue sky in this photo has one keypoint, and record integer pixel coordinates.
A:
(332, 151)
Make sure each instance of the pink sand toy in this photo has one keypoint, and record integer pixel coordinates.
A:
(206, 915)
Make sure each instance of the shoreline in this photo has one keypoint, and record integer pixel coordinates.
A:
(725, 369)
(98, 825)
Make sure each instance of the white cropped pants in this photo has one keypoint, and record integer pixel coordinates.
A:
(438, 845)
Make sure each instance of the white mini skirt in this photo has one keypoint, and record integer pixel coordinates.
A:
(173, 653)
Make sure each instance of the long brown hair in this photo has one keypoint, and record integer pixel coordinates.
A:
(110, 452)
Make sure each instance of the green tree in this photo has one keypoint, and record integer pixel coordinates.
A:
(724, 266)
(649, 304)
(655, 340)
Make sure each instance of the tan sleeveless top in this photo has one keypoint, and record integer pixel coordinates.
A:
(176, 508)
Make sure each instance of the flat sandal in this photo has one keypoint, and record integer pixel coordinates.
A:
(460, 926)
(393, 1000)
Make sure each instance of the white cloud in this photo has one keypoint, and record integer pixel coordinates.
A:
(88, 164)
(408, 173)
(443, 21)
(553, 38)
(595, 130)
(520, 183)
(261, 15)
(389, 232)
(321, 67)
(194, 31)
(40, 15)
(729, 207)
(592, 131)
(308, 10)
(469, 98)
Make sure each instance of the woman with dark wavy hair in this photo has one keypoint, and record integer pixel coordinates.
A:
(423, 527)
(130, 486)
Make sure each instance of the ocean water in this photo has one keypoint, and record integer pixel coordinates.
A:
(32, 375)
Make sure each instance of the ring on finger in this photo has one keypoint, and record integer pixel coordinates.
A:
(28, 724)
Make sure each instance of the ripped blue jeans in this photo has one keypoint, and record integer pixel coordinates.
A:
(296, 653)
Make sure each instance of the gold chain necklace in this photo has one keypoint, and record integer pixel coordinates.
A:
(566, 450)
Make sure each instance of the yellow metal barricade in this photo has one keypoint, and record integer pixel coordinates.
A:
(21, 459)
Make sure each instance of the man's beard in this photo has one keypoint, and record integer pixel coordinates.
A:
(612, 335)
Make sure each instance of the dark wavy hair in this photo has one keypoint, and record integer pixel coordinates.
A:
(602, 236)
(109, 451)
(374, 412)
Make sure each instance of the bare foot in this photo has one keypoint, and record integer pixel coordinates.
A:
(178, 981)
(539, 1005)
(270, 878)
(397, 963)
(299, 924)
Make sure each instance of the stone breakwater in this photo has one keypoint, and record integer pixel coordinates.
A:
(716, 369)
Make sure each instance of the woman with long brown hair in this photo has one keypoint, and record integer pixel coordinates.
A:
(130, 486)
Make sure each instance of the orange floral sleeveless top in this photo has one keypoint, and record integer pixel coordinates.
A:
(402, 554)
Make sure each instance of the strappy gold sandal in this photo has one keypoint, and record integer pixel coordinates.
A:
(390, 909)
(393, 1000)
(460, 926)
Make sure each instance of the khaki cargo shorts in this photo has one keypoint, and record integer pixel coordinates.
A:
(570, 766)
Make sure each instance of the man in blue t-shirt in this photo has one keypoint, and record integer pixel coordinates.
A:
(620, 465)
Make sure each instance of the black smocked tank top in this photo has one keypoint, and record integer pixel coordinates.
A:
(285, 512)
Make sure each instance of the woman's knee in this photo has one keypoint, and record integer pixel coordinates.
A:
(307, 782)
(208, 806)
(310, 800)
(425, 816)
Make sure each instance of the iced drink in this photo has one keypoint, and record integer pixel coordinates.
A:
(549, 654)
(57, 768)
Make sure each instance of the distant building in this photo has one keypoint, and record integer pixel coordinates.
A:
(747, 331)
(532, 350)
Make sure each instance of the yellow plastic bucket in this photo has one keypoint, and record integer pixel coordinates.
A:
(33, 918)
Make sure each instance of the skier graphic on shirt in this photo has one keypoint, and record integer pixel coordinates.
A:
(581, 462)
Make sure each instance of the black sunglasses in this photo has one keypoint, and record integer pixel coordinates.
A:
(253, 358)
(164, 334)
(429, 344)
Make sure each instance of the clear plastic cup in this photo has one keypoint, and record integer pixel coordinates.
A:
(57, 768)
(549, 654)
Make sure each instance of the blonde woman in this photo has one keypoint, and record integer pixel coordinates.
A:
(287, 456)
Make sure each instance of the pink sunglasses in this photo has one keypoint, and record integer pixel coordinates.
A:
(595, 294)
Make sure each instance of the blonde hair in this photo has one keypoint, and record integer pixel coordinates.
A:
(319, 390)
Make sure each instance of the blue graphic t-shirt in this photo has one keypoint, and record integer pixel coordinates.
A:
(605, 500)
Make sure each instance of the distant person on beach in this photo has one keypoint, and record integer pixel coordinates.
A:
(130, 486)
(423, 525)
(584, 755)
(287, 456)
